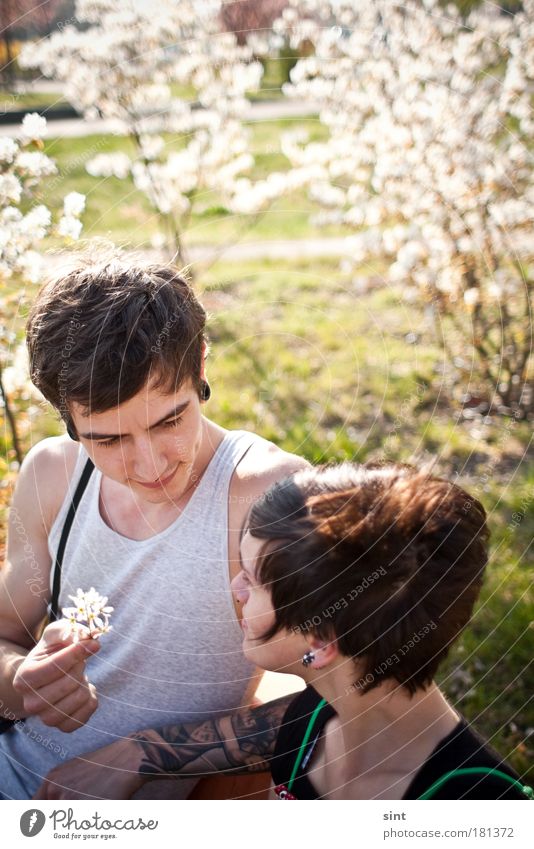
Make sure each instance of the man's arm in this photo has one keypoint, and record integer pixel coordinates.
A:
(47, 679)
(237, 743)
(25, 576)
(240, 742)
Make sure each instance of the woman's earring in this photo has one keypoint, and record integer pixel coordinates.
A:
(205, 390)
(308, 658)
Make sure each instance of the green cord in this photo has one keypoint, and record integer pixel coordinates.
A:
(523, 788)
(474, 770)
(304, 743)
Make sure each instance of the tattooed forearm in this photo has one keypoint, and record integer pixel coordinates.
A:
(240, 742)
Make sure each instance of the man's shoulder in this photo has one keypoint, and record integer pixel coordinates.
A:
(53, 455)
(264, 464)
(45, 474)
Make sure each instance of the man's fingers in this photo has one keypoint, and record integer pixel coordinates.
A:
(38, 701)
(46, 670)
(68, 707)
(82, 715)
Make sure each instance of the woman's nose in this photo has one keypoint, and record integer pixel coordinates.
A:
(240, 588)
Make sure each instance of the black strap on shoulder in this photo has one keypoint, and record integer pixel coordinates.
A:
(6, 723)
(76, 498)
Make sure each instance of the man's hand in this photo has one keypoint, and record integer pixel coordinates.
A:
(109, 773)
(52, 680)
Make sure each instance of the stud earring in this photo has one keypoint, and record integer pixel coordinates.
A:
(205, 390)
(308, 658)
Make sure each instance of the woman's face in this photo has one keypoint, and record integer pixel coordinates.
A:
(283, 652)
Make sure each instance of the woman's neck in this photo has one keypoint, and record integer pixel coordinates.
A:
(380, 739)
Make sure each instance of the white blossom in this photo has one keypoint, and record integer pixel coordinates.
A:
(8, 150)
(73, 204)
(23, 166)
(428, 155)
(69, 227)
(124, 65)
(89, 617)
(33, 127)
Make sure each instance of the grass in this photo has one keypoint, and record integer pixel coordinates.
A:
(275, 74)
(42, 100)
(116, 209)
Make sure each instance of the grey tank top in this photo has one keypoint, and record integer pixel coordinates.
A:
(174, 654)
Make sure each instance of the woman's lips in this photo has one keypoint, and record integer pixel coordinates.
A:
(160, 482)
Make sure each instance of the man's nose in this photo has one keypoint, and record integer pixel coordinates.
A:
(149, 461)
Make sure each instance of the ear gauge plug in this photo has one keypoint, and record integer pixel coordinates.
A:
(71, 430)
(205, 391)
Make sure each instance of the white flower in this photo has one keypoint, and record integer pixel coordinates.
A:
(109, 165)
(10, 189)
(36, 223)
(89, 617)
(33, 163)
(69, 227)
(8, 150)
(471, 297)
(73, 205)
(33, 127)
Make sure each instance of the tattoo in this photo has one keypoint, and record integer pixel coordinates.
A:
(243, 741)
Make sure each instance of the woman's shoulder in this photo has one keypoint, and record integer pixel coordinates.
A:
(291, 735)
(465, 766)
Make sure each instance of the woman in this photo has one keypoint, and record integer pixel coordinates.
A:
(359, 579)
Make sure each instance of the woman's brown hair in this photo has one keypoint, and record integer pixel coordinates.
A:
(387, 560)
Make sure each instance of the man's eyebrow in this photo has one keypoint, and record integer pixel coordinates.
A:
(171, 414)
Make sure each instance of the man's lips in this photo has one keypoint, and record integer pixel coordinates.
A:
(160, 482)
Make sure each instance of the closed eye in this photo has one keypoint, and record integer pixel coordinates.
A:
(108, 442)
(113, 440)
(173, 422)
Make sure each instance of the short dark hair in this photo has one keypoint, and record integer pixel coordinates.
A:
(97, 334)
(386, 559)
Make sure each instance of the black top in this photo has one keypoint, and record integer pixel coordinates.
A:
(462, 748)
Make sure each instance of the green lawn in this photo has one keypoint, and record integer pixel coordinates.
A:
(116, 209)
(10, 101)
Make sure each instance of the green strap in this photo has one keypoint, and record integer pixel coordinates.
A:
(304, 743)
(478, 770)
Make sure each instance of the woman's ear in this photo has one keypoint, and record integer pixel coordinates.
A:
(321, 653)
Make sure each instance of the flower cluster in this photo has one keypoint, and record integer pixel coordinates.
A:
(23, 225)
(427, 158)
(163, 68)
(89, 617)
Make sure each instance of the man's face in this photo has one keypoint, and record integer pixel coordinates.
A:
(148, 443)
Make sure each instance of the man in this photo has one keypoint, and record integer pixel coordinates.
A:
(120, 351)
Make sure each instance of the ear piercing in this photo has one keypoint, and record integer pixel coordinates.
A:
(71, 430)
(205, 390)
(308, 658)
